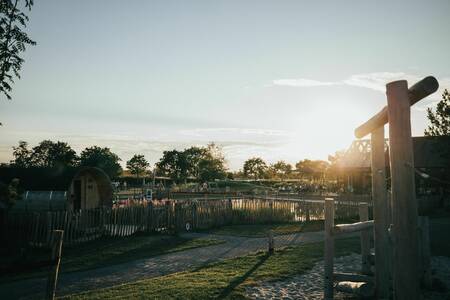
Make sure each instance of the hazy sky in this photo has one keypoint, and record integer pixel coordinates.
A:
(277, 79)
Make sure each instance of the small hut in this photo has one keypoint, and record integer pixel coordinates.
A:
(46, 189)
(90, 188)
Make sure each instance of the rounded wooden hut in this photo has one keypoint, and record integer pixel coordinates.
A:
(90, 188)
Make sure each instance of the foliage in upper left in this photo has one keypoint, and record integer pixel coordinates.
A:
(13, 41)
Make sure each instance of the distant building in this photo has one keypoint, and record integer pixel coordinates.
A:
(431, 162)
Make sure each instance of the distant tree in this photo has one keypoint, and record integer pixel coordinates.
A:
(137, 165)
(202, 163)
(173, 164)
(212, 165)
(194, 155)
(255, 168)
(101, 158)
(334, 161)
(440, 119)
(13, 41)
(53, 154)
(22, 155)
(281, 169)
(311, 168)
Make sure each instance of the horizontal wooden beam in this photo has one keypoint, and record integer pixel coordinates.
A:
(348, 228)
(359, 289)
(417, 92)
(352, 277)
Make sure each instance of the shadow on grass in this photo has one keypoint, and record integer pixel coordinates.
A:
(240, 279)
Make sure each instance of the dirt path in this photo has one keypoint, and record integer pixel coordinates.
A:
(75, 282)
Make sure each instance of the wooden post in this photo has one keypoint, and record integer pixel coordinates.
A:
(271, 242)
(57, 240)
(365, 239)
(404, 214)
(425, 254)
(329, 249)
(380, 215)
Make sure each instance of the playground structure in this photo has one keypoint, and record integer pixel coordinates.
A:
(401, 238)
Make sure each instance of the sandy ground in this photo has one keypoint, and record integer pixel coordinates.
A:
(309, 286)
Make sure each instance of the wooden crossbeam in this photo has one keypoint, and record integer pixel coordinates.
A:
(417, 92)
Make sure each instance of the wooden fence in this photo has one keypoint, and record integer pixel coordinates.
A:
(34, 228)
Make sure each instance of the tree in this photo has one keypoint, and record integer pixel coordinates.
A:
(137, 165)
(311, 168)
(212, 165)
(202, 163)
(101, 158)
(53, 154)
(255, 168)
(47, 154)
(440, 120)
(194, 155)
(281, 169)
(173, 164)
(22, 155)
(13, 41)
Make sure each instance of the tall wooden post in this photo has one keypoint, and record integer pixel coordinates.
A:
(380, 215)
(365, 239)
(329, 249)
(406, 279)
(56, 244)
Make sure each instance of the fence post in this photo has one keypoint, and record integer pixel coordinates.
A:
(271, 242)
(380, 215)
(56, 244)
(365, 239)
(329, 249)
(425, 255)
(404, 214)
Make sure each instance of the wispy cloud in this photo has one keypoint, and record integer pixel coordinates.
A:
(233, 132)
(374, 81)
(301, 82)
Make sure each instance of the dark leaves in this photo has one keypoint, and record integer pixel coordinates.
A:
(13, 41)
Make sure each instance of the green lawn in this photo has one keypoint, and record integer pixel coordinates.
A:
(225, 279)
(106, 252)
(262, 230)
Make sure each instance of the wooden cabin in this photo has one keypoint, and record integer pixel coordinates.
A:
(90, 188)
(46, 189)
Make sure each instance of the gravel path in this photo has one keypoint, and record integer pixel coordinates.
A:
(309, 286)
(152, 267)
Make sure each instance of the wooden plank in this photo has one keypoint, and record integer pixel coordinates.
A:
(271, 244)
(425, 253)
(365, 239)
(417, 92)
(351, 277)
(57, 240)
(354, 227)
(380, 215)
(362, 290)
(329, 249)
(405, 269)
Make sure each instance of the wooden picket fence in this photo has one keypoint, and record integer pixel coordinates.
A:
(34, 228)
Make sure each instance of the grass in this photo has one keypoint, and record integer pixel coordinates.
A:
(261, 230)
(106, 252)
(226, 279)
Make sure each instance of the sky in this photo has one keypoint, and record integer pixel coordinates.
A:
(282, 80)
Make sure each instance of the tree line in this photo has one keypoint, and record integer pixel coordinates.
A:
(198, 163)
